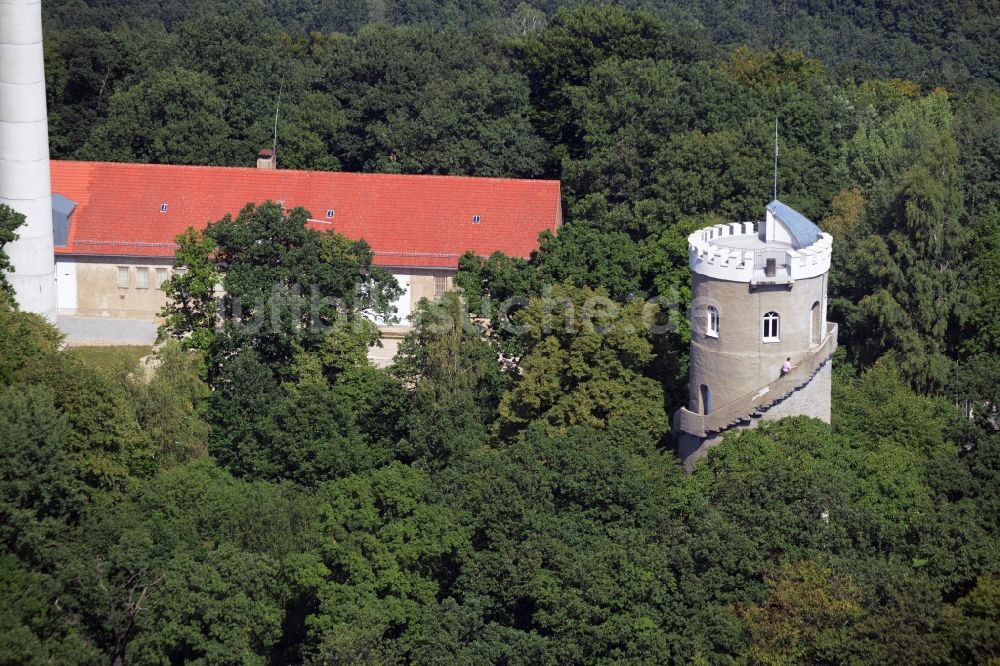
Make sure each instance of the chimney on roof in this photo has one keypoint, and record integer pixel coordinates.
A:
(266, 159)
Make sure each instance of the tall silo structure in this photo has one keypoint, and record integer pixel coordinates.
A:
(24, 154)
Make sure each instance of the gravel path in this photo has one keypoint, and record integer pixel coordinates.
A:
(83, 331)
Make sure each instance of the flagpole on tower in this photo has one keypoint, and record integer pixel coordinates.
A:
(776, 158)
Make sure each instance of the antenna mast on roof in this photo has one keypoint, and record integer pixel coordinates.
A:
(274, 145)
(776, 158)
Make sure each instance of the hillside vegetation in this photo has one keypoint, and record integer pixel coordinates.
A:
(505, 493)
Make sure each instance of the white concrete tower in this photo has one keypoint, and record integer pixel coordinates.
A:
(759, 297)
(24, 154)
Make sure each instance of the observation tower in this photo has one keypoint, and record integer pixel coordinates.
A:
(759, 299)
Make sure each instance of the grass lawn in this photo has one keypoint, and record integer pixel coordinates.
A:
(113, 357)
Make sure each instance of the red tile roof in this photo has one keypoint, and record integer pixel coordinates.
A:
(409, 221)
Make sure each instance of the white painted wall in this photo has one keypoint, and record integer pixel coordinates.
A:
(403, 302)
(66, 288)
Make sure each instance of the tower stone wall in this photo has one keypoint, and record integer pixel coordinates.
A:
(738, 360)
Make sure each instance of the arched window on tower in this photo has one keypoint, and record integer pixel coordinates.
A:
(771, 326)
(712, 322)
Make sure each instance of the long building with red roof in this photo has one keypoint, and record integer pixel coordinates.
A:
(115, 224)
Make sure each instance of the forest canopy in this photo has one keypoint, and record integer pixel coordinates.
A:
(511, 494)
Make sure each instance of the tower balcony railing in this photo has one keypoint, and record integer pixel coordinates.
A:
(745, 407)
(771, 257)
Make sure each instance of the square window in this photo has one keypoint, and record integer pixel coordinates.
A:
(142, 278)
(124, 278)
(161, 277)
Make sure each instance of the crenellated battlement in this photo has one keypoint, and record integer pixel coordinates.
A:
(736, 252)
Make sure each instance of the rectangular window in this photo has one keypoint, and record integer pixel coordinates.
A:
(713, 322)
(771, 323)
(142, 278)
(161, 277)
(440, 285)
(124, 280)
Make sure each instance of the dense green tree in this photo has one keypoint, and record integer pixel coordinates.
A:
(424, 101)
(457, 383)
(977, 131)
(905, 297)
(169, 405)
(107, 448)
(384, 554)
(10, 221)
(475, 123)
(315, 436)
(584, 366)
(171, 117)
(243, 393)
(28, 344)
(39, 492)
(571, 539)
(982, 271)
(213, 607)
(307, 133)
(190, 312)
(237, 49)
(810, 617)
(32, 630)
(291, 324)
(84, 68)
(187, 569)
(288, 289)
(975, 623)
(562, 55)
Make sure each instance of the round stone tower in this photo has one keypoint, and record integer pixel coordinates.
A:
(24, 154)
(759, 300)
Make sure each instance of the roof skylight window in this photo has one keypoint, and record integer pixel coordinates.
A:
(163, 207)
(475, 219)
(330, 213)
